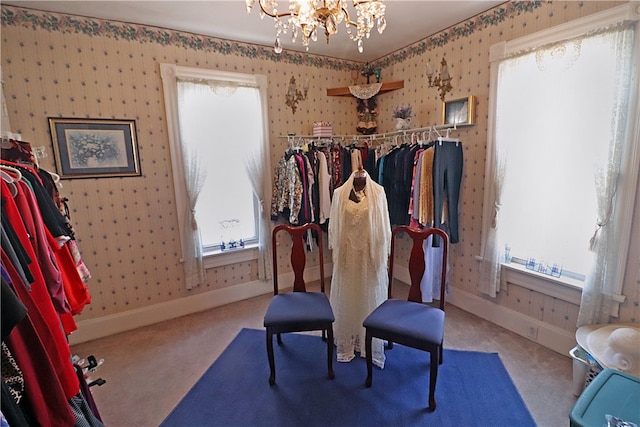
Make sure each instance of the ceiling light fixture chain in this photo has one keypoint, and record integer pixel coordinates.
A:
(306, 16)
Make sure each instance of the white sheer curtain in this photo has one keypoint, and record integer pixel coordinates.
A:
(560, 112)
(492, 256)
(194, 270)
(602, 282)
(256, 165)
(195, 175)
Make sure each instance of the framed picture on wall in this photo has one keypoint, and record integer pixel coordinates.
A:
(94, 148)
(459, 111)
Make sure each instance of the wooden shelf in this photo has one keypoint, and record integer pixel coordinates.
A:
(386, 87)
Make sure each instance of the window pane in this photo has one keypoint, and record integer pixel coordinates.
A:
(222, 124)
(226, 212)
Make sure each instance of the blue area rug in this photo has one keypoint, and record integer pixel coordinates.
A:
(474, 389)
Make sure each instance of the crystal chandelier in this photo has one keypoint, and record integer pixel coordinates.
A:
(306, 16)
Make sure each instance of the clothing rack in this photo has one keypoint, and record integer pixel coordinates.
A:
(406, 135)
(10, 139)
(419, 158)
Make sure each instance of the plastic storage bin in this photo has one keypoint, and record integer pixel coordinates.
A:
(610, 393)
(585, 369)
(580, 368)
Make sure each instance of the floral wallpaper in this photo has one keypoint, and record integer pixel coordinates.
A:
(56, 65)
(143, 34)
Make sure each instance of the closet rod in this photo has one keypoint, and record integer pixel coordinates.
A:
(377, 135)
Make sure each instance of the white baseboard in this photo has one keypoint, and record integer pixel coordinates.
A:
(547, 335)
(100, 327)
(542, 333)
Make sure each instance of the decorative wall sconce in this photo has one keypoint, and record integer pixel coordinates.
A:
(294, 96)
(440, 79)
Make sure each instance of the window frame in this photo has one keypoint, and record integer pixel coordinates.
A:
(631, 155)
(170, 73)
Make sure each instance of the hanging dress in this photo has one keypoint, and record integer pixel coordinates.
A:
(359, 236)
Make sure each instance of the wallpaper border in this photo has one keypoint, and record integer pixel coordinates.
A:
(35, 19)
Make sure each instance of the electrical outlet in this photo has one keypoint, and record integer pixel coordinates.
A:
(532, 332)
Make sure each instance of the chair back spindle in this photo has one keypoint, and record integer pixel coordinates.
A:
(410, 322)
(298, 255)
(299, 310)
(416, 263)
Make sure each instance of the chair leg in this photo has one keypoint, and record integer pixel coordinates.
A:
(433, 376)
(367, 340)
(272, 363)
(441, 352)
(330, 344)
(279, 339)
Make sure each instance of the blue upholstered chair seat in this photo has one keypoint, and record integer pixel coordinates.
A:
(299, 308)
(408, 320)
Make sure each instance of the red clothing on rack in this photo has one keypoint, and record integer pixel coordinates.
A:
(38, 302)
(28, 208)
(47, 403)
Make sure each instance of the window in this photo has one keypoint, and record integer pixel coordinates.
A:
(221, 123)
(553, 126)
(561, 163)
(217, 130)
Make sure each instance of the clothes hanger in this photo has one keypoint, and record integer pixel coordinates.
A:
(8, 177)
(447, 138)
(435, 130)
(424, 139)
(55, 177)
(28, 167)
(11, 179)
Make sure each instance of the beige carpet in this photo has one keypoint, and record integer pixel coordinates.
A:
(148, 370)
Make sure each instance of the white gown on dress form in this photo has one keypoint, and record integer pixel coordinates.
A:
(360, 237)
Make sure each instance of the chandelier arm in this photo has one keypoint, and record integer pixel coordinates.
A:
(272, 15)
(347, 19)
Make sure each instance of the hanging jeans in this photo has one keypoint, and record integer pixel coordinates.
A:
(447, 176)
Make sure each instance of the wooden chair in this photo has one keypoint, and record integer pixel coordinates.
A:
(298, 310)
(411, 322)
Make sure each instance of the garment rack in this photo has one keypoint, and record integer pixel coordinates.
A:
(351, 139)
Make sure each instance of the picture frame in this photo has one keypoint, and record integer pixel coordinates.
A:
(459, 112)
(94, 148)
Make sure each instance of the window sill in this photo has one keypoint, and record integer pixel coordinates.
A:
(562, 280)
(564, 288)
(232, 256)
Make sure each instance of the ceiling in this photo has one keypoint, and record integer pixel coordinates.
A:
(407, 21)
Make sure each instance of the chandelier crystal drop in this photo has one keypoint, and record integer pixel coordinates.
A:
(307, 16)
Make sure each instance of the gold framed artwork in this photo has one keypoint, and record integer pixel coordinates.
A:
(94, 148)
(459, 112)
